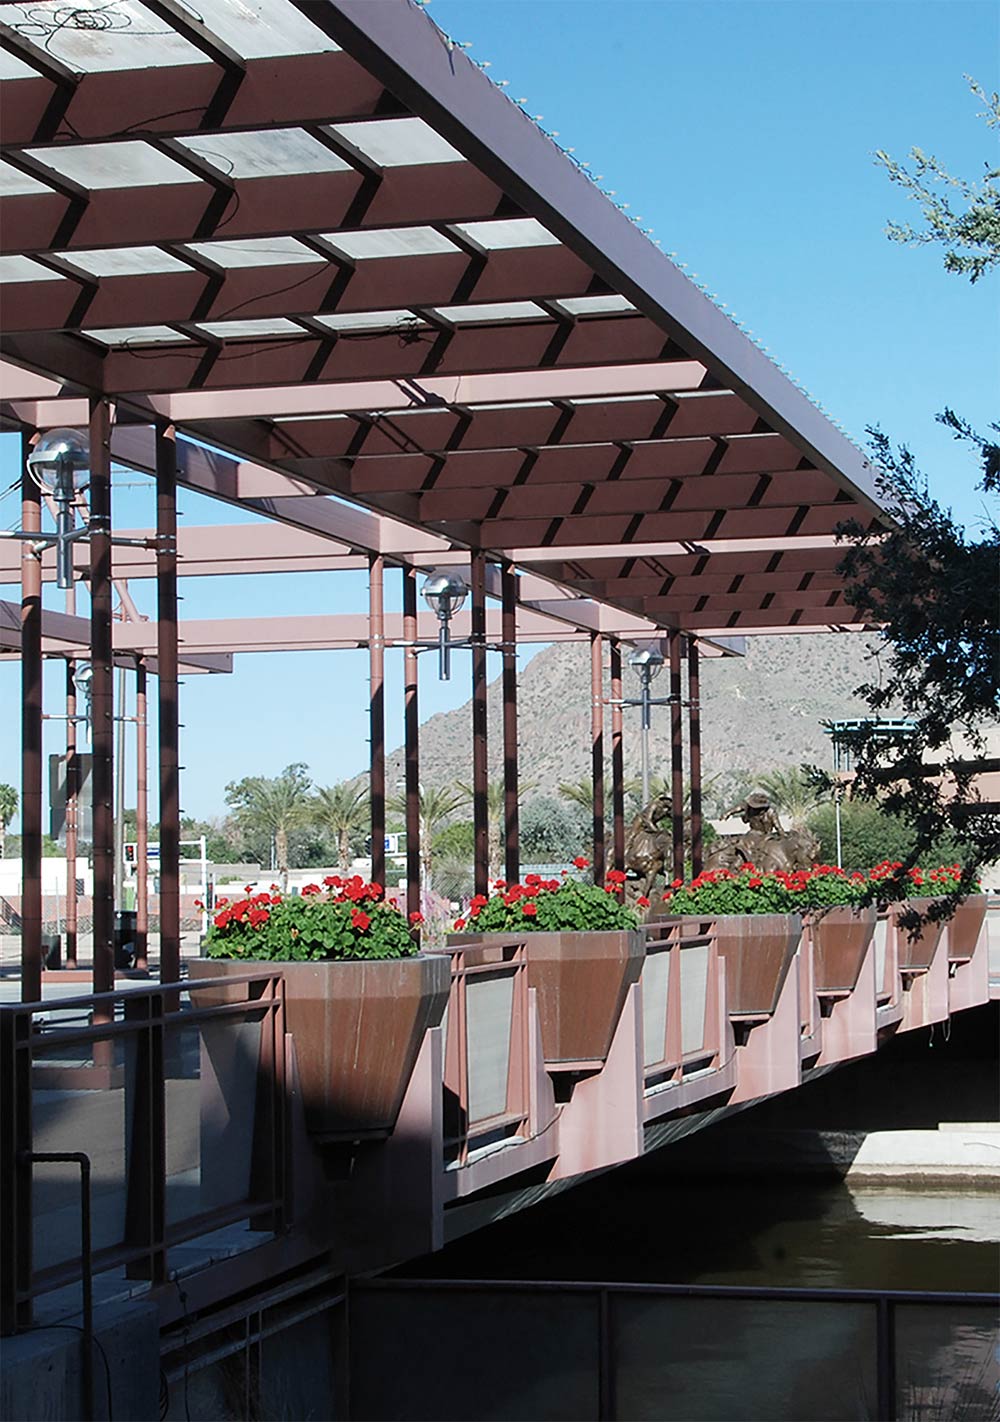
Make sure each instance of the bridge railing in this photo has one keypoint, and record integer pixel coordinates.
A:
(626, 1350)
(128, 1129)
(487, 1096)
(682, 1021)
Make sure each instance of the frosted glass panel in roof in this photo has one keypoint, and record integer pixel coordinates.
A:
(256, 252)
(275, 326)
(390, 242)
(138, 336)
(14, 183)
(258, 28)
(502, 233)
(95, 37)
(112, 165)
(267, 154)
(13, 68)
(594, 305)
(398, 143)
(23, 269)
(369, 320)
(493, 311)
(126, 261)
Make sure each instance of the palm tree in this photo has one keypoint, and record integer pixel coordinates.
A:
(792, 791)
(343, 810)
(8, 809)
(581, 792)
(436, 803)
(275, 806)
(496, 814)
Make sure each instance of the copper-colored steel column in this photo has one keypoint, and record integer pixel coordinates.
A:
(376, 693)
(411, 722)
(617, 757)
(167, 703)
(31, 737)
(72, 810)
(694, 752)
(597, 749)
(511, 814)
(677, 752)
(102, 736)
(480, 763)
(141, 821)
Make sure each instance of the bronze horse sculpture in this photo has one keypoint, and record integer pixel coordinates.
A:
(764, 844)
(649, 849)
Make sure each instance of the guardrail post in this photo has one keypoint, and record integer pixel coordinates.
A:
(885, 1359)
(146, 1139)
(16, 1225)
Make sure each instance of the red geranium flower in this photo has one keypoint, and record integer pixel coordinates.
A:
(642, 901)
(360, 920)
(416, 917)
(459, 923)
(580, 862)
(530, 910)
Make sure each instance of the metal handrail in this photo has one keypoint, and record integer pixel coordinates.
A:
(148, 1018)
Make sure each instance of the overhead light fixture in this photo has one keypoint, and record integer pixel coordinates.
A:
(59, 464)
(445, 594)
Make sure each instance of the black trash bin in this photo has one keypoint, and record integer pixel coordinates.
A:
(52, 950)
(125, 935)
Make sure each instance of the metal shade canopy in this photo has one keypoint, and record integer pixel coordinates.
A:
(341, 253)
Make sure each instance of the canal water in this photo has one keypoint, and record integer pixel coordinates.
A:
(734, 1359)
(637, 1225)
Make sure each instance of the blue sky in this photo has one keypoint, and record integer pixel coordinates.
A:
(743, 133)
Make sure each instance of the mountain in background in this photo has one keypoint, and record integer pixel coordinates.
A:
(759, 712)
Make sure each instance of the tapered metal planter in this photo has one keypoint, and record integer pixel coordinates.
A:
(758, 949)
(582, 980)
(965, 927)
(915, 951)
(357, 1027)
(840, 937)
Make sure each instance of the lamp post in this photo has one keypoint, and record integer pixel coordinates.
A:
(845, 737)
(58, 463)
(445, 593)
(647, 662)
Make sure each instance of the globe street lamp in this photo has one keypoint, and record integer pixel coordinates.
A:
(647, 662)
(445, 593)
(59, 463)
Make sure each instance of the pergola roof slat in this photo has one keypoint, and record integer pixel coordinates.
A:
(365, 270)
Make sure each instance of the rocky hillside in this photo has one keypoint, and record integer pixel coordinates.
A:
(758, 712)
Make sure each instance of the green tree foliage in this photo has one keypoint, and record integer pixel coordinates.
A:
(794, 793)
(495, 812)
(222, 840)
(934, 589)
(50, 849)
(869, 835)
(936, 592)
(268, 809)
(961, 215)
(437, 804)
(344, 811)
(456, 841)
(552, 832)
(8, 809)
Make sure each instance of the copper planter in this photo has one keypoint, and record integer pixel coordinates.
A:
(582, 980)
(758, 949)
(915, 952)
(841, 937)
(357, 1027)
(965, 927)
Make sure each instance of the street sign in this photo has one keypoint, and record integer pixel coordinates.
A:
(57, 799)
